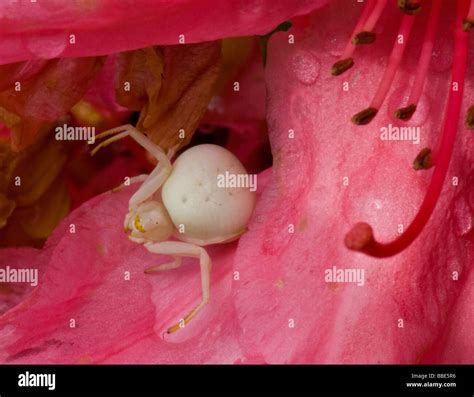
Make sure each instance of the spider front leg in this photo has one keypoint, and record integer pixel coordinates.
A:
(179, 249)
(165, 266)
(157, 177)
(133, 179)
(151, 184)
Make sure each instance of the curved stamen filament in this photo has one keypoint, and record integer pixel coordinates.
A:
(366, 35)
(423, 64)
(361, 238)
(345, 62)
(365, 116)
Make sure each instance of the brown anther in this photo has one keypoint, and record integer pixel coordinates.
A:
(410, 7)
(424, 160)
(341, 66)
(365, 116)
(359, 237)
(467, 24)
(469, 122)
(364, 38)
(406, 112)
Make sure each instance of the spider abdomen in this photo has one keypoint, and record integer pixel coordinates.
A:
(209, 195)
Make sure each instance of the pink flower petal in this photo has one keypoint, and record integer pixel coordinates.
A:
(117, 320)
(455, 343)
(43, 29)
(285, 272)
(13, 293)
(101, 94)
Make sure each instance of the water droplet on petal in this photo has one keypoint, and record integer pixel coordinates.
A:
(306, 67)
(47, 45)
(462, 217)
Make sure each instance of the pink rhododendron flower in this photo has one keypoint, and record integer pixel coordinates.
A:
(273, 295)
(337, 323)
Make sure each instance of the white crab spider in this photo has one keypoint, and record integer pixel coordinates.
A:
(184, 201)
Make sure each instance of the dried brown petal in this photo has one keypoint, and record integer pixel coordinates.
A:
(175, 84)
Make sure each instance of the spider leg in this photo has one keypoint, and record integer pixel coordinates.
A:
(165, 266)
(157, 177)
(113, 131)
(107, 142)
(133, 179)
(151, 185)
(179, 249)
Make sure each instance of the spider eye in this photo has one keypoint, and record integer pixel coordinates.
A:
(138, 224)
